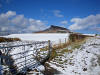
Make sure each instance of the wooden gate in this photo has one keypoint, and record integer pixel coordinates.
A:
(21, 56)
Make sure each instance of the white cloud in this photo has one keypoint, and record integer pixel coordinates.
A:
(36, 25)
(11, 22)
(10, 13)
(64, 22)
(57, 13)
(82, 23)
(20, 20)
(96, 28)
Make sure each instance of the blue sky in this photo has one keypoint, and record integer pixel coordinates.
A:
(77, 15)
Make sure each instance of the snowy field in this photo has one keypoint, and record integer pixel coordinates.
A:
(54, 37)
(82, 61)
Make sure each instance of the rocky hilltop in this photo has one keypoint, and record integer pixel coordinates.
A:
(55, 29)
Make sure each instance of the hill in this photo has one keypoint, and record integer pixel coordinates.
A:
(55, 29)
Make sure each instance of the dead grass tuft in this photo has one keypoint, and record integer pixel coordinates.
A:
(3, 39)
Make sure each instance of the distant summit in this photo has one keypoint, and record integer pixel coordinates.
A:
(55, 29)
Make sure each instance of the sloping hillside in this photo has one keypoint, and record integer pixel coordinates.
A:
(84, 60)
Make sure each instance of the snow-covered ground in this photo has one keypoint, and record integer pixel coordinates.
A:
(54, 37)
(82, 61)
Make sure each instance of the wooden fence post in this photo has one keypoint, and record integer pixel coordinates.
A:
(65, 40)
(49, 47)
